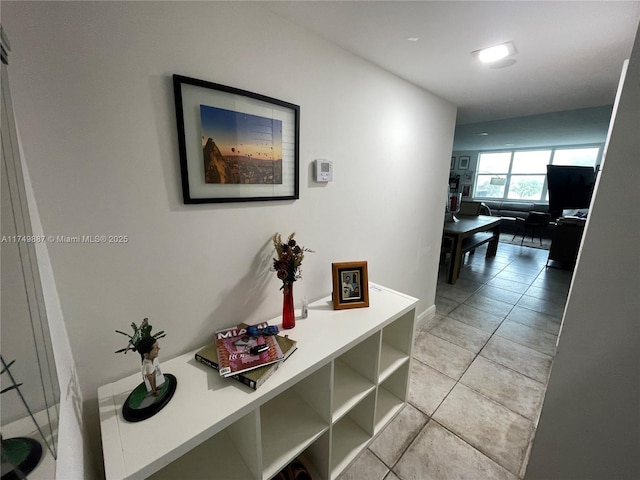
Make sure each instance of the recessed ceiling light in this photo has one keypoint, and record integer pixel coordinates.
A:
(509, 144)
(495, 53)
(413, 39)
(483, 134)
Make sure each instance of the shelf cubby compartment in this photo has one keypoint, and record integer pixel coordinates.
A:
(294, 420)
(315, 390)
(351, 434)
(397, 341)
(363, 357)
(349, 388)
(316, 457)
(391, 396)
(231, 453)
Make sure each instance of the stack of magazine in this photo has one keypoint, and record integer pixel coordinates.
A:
(248, 359)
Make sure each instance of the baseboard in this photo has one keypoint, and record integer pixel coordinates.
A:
(425, 316)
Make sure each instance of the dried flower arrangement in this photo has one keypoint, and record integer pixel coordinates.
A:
(288, 262)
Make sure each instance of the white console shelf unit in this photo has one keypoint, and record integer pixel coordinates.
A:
(325, 404)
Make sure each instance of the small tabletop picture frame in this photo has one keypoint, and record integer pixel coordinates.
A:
(350, 285)
(235, 145)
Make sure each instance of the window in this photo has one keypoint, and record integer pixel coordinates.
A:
(577, 157)
(522, 174)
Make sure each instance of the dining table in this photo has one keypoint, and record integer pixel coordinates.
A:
(467, 233)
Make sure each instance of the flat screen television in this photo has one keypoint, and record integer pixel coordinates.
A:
(569, 188)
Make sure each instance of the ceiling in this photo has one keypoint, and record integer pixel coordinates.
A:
(569, 54)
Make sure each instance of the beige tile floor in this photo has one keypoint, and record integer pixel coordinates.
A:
(478, 376)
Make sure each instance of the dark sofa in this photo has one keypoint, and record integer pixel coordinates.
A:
(510, 210)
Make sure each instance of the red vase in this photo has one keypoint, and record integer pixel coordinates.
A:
(288, 315)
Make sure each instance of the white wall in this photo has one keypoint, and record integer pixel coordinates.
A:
(35, 346)
(590, 422)
(72, 456)
(93, 98)
(566, 128)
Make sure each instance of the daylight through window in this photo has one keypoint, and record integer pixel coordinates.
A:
(522, 174)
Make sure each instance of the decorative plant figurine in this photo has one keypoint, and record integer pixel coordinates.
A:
(144, 330)
(288, 268)
(156, 389)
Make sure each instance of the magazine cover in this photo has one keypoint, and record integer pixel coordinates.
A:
(239, 352)
(252, 378)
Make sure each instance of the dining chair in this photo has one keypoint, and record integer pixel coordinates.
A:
(536, 222)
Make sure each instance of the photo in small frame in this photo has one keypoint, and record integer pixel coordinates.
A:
(463, 163)
(350, 285)
(453, 163)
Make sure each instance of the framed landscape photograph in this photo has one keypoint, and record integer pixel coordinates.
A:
(463, 163)
(350, 285)
(235, 145)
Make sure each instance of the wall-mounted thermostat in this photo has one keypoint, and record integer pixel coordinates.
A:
(324, 170)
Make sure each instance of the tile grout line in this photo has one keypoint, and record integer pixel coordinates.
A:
(522, 467)
(484, 282)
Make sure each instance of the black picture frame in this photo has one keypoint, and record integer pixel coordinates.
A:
(254, 173)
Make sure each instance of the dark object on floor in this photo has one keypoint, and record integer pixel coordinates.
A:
(294, 471)
(297, 471)
(20, 456)
(566, 243)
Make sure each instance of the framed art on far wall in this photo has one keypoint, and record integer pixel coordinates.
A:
(350, 285)
(463, 163)
(453, 163)
(235, 145)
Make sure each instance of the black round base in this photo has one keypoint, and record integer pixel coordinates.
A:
(141, 405)
(20, 456)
